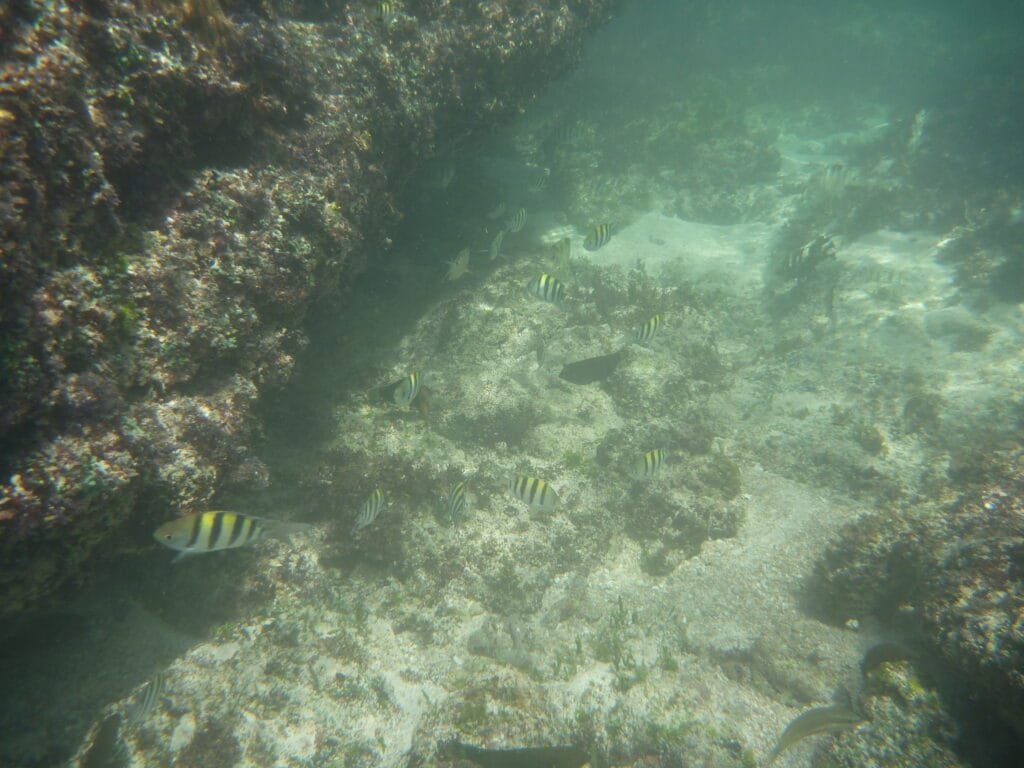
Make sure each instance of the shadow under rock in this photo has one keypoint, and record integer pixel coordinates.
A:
(61, 668)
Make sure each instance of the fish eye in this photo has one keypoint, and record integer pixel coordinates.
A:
(167, 536)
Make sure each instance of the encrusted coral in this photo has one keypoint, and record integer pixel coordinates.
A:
(951, 577)
(179, 183)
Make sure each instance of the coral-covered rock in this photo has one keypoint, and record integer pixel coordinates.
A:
(178, 183)
(953, 576)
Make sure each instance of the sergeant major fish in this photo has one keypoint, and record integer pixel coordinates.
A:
(536, 492)
(455, 502)
(215, 530)
(598, 237)
(648, 465)
(540, 182)
(148, 698)
(648, 330)
(495, 250)
(369, 511)
(546, 288)
(517, 221)
(404, 391)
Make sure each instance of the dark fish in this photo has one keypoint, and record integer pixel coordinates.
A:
(592, 369)
(885, 651)
(546, 288)
(519, 757)
(814, 721)
(598, 237)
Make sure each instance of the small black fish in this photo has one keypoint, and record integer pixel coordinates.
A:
(519, 757)
(592, 369)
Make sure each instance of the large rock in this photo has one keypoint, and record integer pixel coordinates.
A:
(950, 577)
(178, 183)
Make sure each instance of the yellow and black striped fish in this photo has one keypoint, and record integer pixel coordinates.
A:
(648, 465)
(598, 237)
(215, 530)
(546, 288)
(370, 509)
(536, 492)
(385, 10)
(404, 391)
(648, 330)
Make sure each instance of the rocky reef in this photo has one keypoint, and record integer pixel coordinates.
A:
(950, 578)
(179, 182)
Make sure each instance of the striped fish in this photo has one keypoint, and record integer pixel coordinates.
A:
(546, 288)
(148, 699)
(495, 250)
(385, 10)
(517, 222)
(215, 530)
(569, 131)
(536, 492)
(648, 465)
(540, 182)
(598, 237)
(370, 509)
(455, 502)
(404, 391)
(648, 330)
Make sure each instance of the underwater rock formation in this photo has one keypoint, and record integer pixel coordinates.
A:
(951, 579)
(179, 182)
